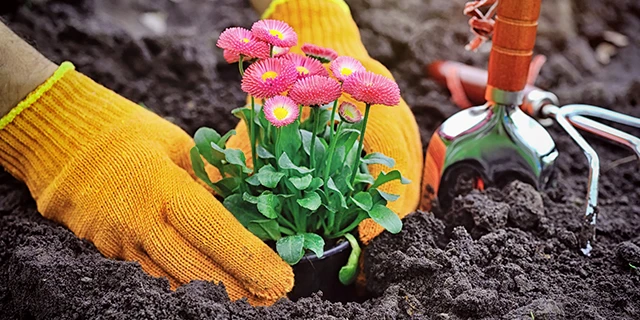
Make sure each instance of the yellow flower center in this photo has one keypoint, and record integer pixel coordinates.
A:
(280, 113)
(269, 75)
(245, 40)
(302, 70)
(346, 71)
(276, 33)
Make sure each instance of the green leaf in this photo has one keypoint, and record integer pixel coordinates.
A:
(336, 193)
(291, 248)
(269, 205)
(242, 210)
(320, 146)
(387, 196)
(235, 156)
(316, 183)
(386, 218)
(198, 168)
(310, 201)
(290, 139)
(349, 271)
(253, 180)
(249, 198)
(388, 177)
(268, 176)
(378, 158)
(223, 139)
(226, 186)
(363, 200)
(314, 243)
(203, 138)
(301, 183)
(363, 178)
(285, 163)
(264, 153)
(265, 229)
(342, 182)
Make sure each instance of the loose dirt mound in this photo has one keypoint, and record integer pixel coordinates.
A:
(515, 256)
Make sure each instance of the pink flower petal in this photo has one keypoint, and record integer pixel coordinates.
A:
(243, 42)
(315, 91)
(372, 88)
(275, 32)
(305, 66)
(349, 113)
(281, 111)
(343, 67)
(268, 78)
(324, 55)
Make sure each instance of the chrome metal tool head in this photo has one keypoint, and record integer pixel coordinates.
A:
(489, 145)
(543, 106)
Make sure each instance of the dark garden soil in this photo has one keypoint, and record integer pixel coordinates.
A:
(516, 257)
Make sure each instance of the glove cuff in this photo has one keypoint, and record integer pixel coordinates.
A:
(326, 23)
(53, 123)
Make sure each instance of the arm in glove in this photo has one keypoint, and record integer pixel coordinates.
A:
(120, 176)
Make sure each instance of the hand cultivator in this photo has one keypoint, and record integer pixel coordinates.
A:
(495, 143)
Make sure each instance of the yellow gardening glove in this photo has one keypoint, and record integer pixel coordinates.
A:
(120, 176)
(390, 130)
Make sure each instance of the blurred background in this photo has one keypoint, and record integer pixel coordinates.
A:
(161, 53)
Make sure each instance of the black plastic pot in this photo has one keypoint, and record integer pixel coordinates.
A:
(313, 274)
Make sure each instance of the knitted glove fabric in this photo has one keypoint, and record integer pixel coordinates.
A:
(390, 130)
(120, 176)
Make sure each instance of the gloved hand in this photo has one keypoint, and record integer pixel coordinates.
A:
(390, 130)
(119, 176)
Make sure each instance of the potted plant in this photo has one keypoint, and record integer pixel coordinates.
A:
(308, 186)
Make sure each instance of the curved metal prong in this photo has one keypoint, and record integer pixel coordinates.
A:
(602, 113)
(607, 132)
(587, 234)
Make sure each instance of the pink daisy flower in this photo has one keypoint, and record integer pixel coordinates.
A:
(275, 32)
(306, 66)
(372, 88)
(268, 78)
(343, 67)
(231, 56)
(315, 91)
(281, 111)
(280, 51)
(349, 113)
(324, 55)
(242, 42)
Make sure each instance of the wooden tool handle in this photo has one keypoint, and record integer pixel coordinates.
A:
(513, 40)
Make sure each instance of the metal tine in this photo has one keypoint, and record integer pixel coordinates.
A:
(599, 112)
(607, 132)
(587, 234)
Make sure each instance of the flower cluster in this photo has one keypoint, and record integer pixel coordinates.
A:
(305, 178)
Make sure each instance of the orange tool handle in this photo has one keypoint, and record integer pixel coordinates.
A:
(513, 40)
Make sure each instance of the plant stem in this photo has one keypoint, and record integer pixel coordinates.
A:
(361, 144)
(351, 226)
(283, 220)
(252, 135)
(331, 120)
(241, 66)
(312, 152)
(278, 151)
(332, 149)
